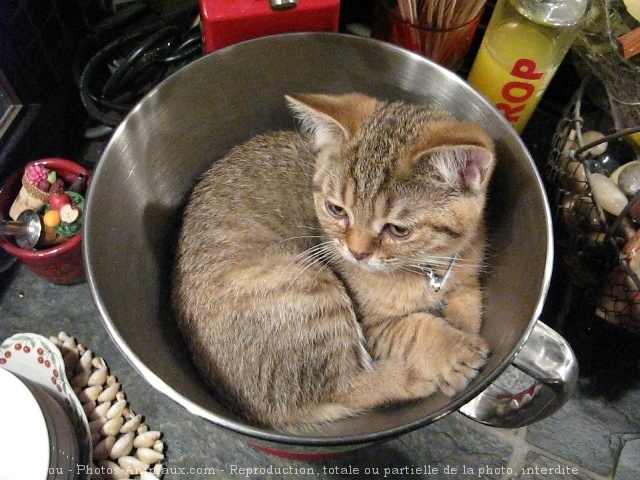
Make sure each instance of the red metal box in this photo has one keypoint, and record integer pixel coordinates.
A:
(225, 22)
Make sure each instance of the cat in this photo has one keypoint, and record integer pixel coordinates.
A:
(323, 273)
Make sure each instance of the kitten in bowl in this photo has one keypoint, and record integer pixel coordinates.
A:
(322, 273)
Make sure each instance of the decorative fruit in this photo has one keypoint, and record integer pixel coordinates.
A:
(57, 187)
(36, 173)
(38, 177)
(59, 200)
(52, 219)
(69, 213)
(43, 185)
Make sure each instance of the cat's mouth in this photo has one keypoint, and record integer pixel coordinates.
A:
(372, 265)
(368, 261)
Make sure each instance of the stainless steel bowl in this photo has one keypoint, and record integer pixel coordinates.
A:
(195, 116)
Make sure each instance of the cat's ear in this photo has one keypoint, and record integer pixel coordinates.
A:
(461, 152)
(477, 163)
(331, 119)
(462, 166)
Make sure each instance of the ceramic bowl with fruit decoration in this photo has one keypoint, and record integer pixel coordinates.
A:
(51, 190)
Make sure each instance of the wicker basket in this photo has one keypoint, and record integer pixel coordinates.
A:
(597, 49)
(599, 243)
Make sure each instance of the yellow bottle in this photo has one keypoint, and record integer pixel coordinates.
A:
(635, 138)
(522, 48)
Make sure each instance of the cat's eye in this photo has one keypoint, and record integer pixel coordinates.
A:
(397, 230)
(335, 210)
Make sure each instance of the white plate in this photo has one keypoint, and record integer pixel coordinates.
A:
(39, 360)
(24, 443)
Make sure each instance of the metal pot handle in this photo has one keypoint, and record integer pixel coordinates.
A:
(546, 360)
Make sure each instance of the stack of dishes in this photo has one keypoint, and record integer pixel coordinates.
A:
(25, 448)
(39, 442)
(45, 434)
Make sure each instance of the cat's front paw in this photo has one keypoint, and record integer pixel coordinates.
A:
(418, 386)
(463, 356)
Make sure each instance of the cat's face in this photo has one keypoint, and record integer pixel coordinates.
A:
(399, 186)
(404, 223)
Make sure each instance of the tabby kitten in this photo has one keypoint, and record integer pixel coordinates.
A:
(325, 273)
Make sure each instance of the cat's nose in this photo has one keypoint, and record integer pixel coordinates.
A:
(360, 255)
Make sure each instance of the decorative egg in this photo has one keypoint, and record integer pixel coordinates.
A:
(614, 176)
(593, 136)
(575, 178)
(629, 178)
(607, 194)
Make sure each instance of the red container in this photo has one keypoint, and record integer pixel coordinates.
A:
(61, 264)
(446, 46)
(225, 22)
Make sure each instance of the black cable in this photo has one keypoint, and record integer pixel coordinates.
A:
(119, 73)
(115, 80)
(105, 32)
(192, 44)
(89, 76)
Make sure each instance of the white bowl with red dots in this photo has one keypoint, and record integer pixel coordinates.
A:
(50, 437)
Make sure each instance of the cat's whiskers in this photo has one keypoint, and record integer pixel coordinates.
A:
(306, 255)
(301, 237)
(314, 255)
(409, 269)
(315, 229)
(440, 265)
(314, 251)
(318, 259)
(443, 262)
(307, 258)
(332, 256)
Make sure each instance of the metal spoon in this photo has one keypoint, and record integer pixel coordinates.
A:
(28, 229)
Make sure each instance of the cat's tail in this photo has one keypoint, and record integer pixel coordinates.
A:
(312, 417)
(386, 383)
